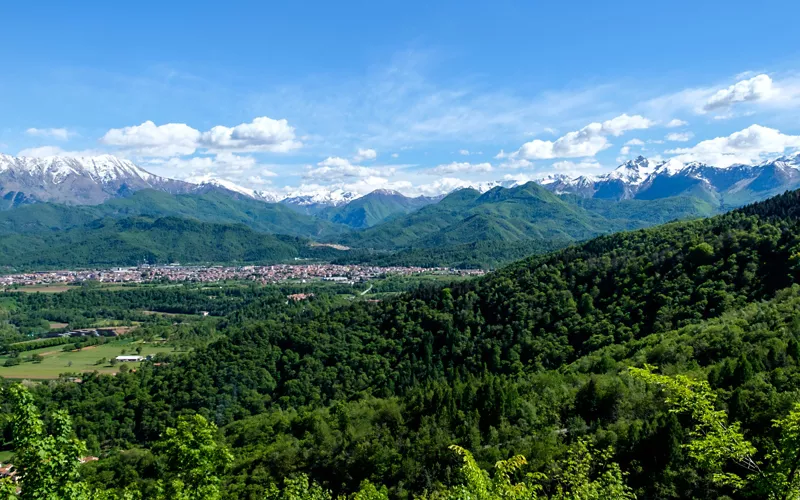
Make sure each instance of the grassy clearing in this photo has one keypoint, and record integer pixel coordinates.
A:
(57, 361)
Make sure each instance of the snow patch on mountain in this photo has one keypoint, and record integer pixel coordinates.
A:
(105, 168)
(634, 171)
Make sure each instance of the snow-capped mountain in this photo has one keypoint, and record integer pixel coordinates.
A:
(208, 183)
(87, 180)
(313, 201)
(92, 180)
(646, 179)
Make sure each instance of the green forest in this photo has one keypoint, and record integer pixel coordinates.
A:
(654, 364)
(465, 229)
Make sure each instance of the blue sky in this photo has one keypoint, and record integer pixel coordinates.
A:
(416, 96)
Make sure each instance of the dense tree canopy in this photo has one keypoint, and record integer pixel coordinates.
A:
(529, 361)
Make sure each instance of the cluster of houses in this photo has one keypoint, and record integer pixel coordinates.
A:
(85, 332)
(299, 296)
(261, 274)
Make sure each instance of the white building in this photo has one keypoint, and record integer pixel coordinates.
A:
(129, 359)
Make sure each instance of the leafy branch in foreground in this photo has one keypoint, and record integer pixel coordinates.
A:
(47, 460)
(583, 475)
(715, 443)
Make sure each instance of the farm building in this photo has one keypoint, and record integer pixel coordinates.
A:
(129, 359)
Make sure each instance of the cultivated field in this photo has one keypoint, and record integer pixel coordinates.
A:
(56, 361)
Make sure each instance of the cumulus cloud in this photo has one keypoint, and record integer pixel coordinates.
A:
(44, 151)
(179, 139)
(585, 142)
(464, 152)
(516, 163)
(262, 134)
(149, 139)
(335, 168)
(461, 167)
(624, 150)
(225, 164)
(570, 166)
(635, 142)
(746, 146)
(443, 185)
(754, 89)
(257, 180)
(675, 123)
(61, 134)
(679, 136)
(365, 154)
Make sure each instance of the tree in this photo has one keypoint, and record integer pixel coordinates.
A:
(192, 460)
(715, 443)
(46, 460)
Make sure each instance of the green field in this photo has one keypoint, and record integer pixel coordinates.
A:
(57, 361)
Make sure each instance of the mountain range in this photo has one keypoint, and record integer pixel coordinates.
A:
(55, 204)
(645, 179)
(92, 180)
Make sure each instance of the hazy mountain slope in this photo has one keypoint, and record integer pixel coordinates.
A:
(524, 212)
(374, 208)
(134, 240)
(213, 206)
(403, 231)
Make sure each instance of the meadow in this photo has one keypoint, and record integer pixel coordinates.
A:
(55, 361)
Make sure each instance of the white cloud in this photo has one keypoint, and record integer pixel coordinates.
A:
(623, 123)
(679, 136)
(262, 134)
(179, 139)
(461, 167)
(624, 150)
(395, 155)
(42, 151)
(61, 134)
(335, 168)
(443, 185)
(365, 154)
(516, 163)
(754, 89)
(257, 180)
(149, 139)
(464, 152)
(674, 123)
(224, 164)
(635, 142)
(745, 146)
(585, 142)
(569, 166)
(361, 187)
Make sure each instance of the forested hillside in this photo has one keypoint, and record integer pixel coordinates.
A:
(214, 207)
(528, 360)
(374, 208)
(137, 240)
(526, 212)
(465, 229)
